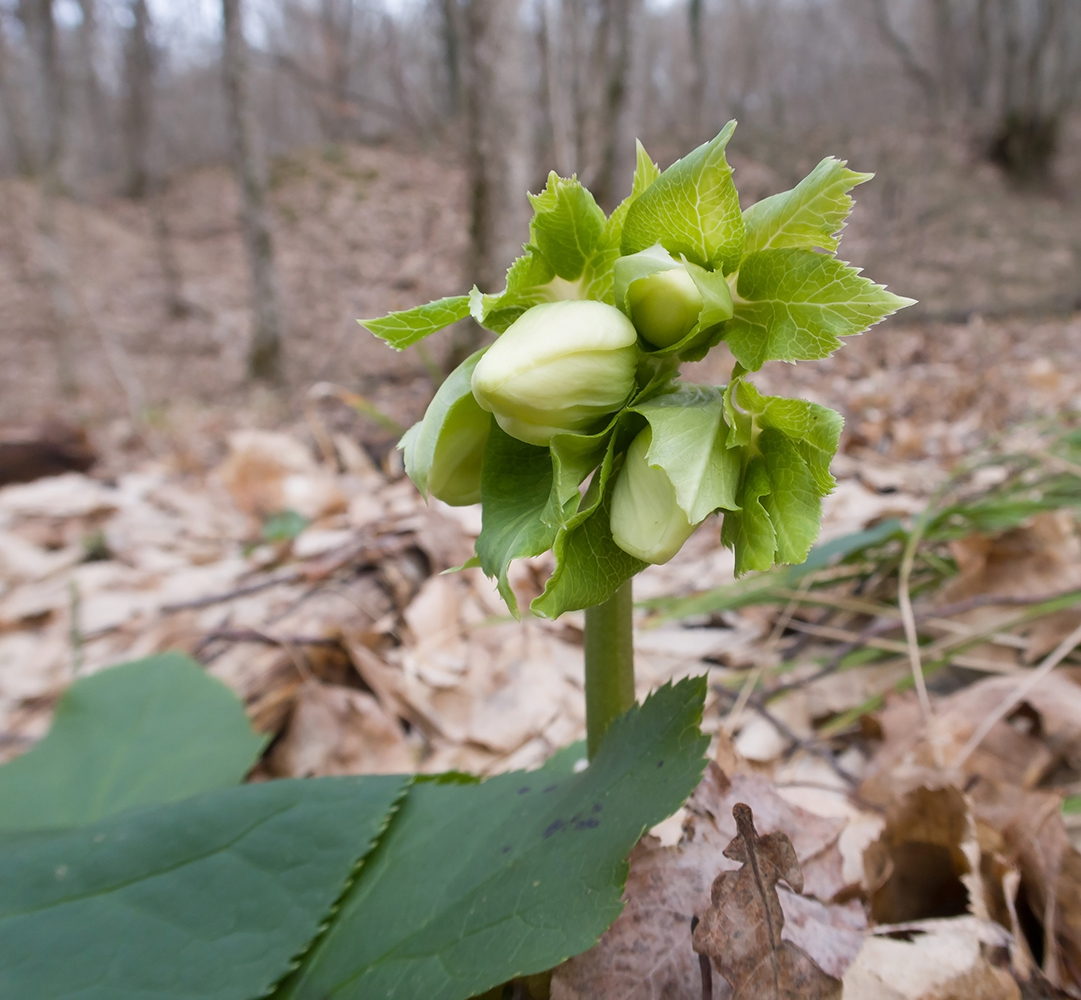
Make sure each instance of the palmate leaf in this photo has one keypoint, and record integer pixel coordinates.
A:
(567, 226)
(405, 328)
(810, 215)
(795, 305)
(780, 494)
(205, 899)
(691, 209)
(152, 731)
(474, 884)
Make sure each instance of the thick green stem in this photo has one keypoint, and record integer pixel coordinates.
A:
(609, 664)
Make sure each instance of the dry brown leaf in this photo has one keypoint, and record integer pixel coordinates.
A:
(646, 954)
(741, 930)
(339, 730)
(932, 960)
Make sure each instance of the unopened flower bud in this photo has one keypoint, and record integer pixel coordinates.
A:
(664, 306)
(445, 451)
(561, 366)
(646, 521)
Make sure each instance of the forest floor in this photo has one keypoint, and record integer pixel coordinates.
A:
(272, 536)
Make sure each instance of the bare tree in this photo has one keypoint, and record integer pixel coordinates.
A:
(450, 29)
(336, 20)
(614, 33)
(13, 97)
(264, 354)
(695, 35)
(37, 17)
(138, 101)
(90, 83)
(498, 159)
(1009, 69)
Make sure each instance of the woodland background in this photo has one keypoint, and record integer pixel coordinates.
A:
(197, 200)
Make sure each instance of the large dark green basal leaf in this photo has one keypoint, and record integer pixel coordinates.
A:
(475, 884)
(207, 899)
(148, 732)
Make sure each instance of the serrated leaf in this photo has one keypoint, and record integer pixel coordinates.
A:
(516, 483)
(567, 226)
(206, 899)
(589, 565)
(405, 328)
(645, 173)
(475, 884)
(689, 442)
(574, 457)
(810, 215)
(795, 305)
(794, 502)
(815, 429)
(529, 280)
(691, 209)
(147, 732)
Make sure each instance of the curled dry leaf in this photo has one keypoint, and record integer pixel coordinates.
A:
(741, 930)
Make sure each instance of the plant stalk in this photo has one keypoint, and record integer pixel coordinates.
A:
(609, 646)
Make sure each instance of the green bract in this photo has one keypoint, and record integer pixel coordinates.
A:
(598, 451)
(560, 367)
(443, 452)
(647, 521)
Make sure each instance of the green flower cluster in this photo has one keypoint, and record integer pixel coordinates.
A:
(574, 429)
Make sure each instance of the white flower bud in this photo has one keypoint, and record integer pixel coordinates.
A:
(664, 306)
(561, 366)
(646, 521)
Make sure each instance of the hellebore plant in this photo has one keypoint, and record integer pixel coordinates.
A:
(583, 383)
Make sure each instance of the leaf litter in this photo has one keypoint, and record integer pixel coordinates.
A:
(355, 654)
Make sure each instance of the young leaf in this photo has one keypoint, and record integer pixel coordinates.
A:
(645, 173)
(811, 215)
(741, 930)
(794, 442)
(690, 444)
(589, 565)
(749, 530)
(210, 898)
(124, 738)
(691, 209)
(816, 430)
(567, 226)
(516, 483)
(475, 884)
(403, 329)
(530, 281)
(795, 305)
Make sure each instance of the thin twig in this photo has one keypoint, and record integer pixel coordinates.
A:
(904, 600)
(762, 660)
(1053, 660)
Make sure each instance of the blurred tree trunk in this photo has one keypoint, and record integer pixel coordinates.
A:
(336, 18)
(560, 110)
(13, 98)
(615, 32)
(497, 157)
(698, 65)
(91, 83)
(451, 32)
(37, 16)
(138, 102)
(264, 353)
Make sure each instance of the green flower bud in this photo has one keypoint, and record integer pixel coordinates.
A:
(664, 306)
(561, 366)
(445, 451)
(646, 521)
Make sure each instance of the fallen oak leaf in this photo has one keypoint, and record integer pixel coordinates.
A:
(741, 930)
